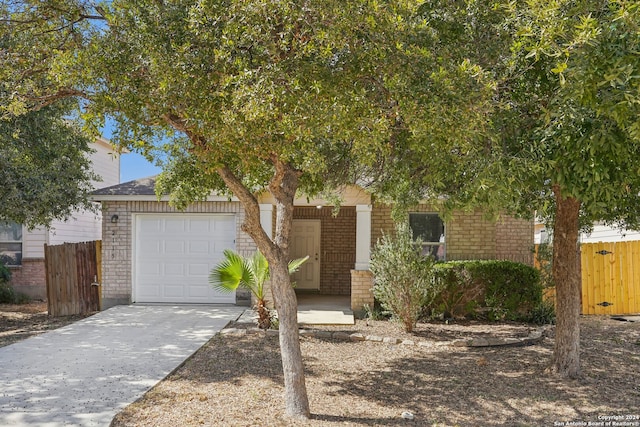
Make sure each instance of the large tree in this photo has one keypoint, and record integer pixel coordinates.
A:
(45, 171)
(563, 138)
(587, 143)
(253, 95)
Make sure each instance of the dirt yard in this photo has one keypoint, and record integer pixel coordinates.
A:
(21, 321)
(237, 381)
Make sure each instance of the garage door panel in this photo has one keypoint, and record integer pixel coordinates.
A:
(174, 269)
(150, 225)
(200, 247)
(200, 226)
(175, 247)
(150, 246)
(174, 225)
(175, 254)
(198, 291)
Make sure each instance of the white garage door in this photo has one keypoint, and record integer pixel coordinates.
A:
(174, 254)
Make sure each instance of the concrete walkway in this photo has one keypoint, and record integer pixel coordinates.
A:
(85, 373)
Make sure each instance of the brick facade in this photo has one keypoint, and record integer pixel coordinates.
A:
(468, 235)
(361, 284)
(514, 240)
(30, 278)
(117, 249)
(337, 246)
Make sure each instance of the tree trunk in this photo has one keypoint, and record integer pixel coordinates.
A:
(283, 186)
(566, 275)
(295, 390)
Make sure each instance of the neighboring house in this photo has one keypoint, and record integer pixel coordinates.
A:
(599, 233)
(23, 250)
(152, 252)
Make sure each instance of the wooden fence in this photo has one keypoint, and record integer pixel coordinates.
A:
(73, 275)
(610, 277)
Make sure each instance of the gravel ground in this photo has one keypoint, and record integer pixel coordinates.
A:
(21, 321)
(237, 381)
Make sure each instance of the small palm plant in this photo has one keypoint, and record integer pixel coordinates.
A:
(250, 273)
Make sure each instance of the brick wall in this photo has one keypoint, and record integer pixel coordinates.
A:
(30, 278)
(514, 240)
(468, 235)
(361, 283)
(117, 244)
(337, 246)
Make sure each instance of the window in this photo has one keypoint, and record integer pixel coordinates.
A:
(430, 228)
(10, 243)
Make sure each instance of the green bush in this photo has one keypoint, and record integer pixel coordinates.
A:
(403, 281)
(7, 294)
(543, 314)
(5, 273)
(496, 290)
(459, 293)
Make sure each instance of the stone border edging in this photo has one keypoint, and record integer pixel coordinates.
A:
(534, 337)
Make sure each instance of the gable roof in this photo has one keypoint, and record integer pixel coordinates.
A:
(138, 187)
(143, 189)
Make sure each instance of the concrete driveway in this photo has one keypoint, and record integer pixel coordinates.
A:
(85, 373)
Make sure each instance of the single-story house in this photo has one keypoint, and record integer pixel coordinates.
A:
(22, 250)
(153, 253)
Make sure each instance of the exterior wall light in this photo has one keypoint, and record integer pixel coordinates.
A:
(114, 219)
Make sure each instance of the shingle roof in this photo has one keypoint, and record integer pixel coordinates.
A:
(138, 187)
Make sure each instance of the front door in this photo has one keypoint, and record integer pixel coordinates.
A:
(305, 240)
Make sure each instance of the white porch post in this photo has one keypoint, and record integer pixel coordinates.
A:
(361, 279)
(363, 236)
(266, 218)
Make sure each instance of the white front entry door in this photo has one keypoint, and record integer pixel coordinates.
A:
(174, 254)
(305, 240)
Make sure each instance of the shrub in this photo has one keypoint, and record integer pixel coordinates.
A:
(5, 273)
(543, 314)
(7, 294)
(403, 281)
(497, 290)
(459, 293)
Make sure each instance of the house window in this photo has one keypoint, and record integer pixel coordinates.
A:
(430, 228)
(10, 243)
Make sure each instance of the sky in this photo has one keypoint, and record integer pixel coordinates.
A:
(134, 166)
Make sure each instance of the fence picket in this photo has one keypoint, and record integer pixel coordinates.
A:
(70, 270)
(610, 278)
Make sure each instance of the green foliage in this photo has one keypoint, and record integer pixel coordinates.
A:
(376, 312)
(402, 277)
(543, 314)
(497, 290)
(8, 295)
(45, 172)
(544, 258)
(5, 273)
(250, 273)
(459, 293)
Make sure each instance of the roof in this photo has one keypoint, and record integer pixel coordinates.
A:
(142, 189)
(138, 187)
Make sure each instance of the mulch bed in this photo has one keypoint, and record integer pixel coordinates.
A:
(237, 381)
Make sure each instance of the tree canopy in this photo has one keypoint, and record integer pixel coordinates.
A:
(253, 96)
(562, 134)
(45, 171)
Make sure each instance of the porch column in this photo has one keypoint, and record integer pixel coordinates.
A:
(361, 279)
(266, 218)
(363, 236)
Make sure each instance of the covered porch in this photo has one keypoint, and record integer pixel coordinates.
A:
(338, 243)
